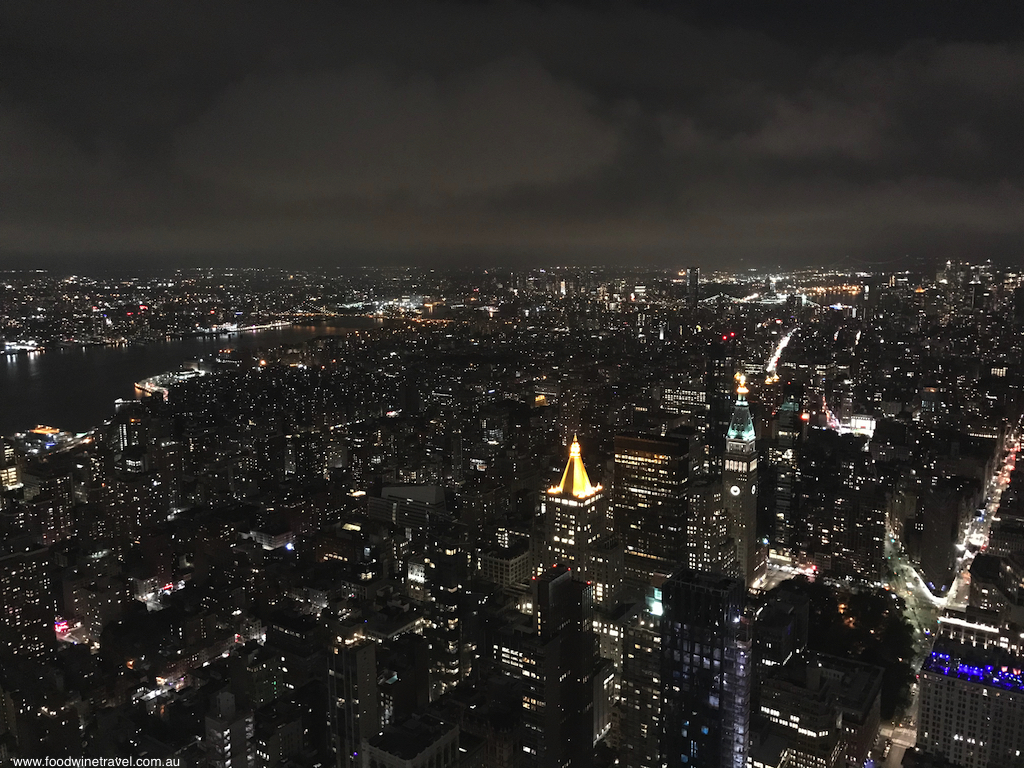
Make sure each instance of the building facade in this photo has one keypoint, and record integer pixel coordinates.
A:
(739, 485)
(706, 671)
(650, 483)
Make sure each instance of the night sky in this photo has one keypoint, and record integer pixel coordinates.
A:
(734, 134)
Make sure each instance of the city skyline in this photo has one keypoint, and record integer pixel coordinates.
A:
(512, 384)
(516, 518)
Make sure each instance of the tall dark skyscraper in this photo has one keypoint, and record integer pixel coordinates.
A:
(353, 698)
(705, 671)
(739, 485)
(784, 457)
(641, 685)
(692, 286)
(445, 577)
(559, 704)
(651, 475)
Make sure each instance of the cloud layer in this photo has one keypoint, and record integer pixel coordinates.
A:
(434, 131)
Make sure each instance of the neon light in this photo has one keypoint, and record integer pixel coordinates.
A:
(1004, 677)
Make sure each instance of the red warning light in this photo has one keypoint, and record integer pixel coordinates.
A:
(732, 334)
(805, 416)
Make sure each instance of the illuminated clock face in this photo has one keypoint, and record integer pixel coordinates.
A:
(735, 490)
(753, 490)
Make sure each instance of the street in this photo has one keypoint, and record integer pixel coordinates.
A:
(923, 608)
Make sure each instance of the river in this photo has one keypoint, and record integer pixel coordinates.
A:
(75, 389)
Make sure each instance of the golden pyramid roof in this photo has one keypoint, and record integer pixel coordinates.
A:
(575, 481)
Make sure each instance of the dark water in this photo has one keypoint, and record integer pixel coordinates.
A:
(75, 389)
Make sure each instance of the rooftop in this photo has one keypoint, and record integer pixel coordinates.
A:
(413, 737)
(575, 481)
(990, 667)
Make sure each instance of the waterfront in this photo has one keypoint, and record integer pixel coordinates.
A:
(75, 389)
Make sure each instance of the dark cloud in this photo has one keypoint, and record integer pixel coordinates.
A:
(508, 130)
(365, 135)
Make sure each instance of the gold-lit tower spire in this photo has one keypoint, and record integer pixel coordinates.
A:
(575, 481)
(741, 385)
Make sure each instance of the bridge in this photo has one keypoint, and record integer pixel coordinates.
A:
(309, 309)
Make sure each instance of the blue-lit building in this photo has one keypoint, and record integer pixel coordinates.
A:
(972, 705)
(706, 672)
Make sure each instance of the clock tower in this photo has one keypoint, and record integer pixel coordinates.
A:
(739, 483)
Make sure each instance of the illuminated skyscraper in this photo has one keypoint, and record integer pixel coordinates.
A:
(687, 396)
(709, 546)
(739, 485)
(574, 512)
(651, 475)
(10, 471)
(705, 671)
(576, 529)
(26, 606)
